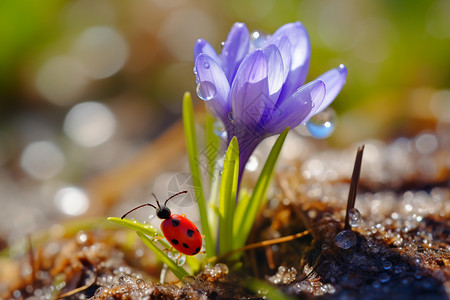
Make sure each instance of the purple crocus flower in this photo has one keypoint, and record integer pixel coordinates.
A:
(258, 90)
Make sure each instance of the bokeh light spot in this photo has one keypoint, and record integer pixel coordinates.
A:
(102, 50)
(61, 80)
(42, 160)
(179, 38)
(72, 201)
(90, 124)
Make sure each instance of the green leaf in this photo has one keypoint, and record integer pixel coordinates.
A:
(212, 142)
(194, 164)
(227, 196)
(247, 208)
(176, 269)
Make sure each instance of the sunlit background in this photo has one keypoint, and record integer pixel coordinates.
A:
(85, 85)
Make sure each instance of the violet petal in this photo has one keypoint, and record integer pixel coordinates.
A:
(202, 46)
(275, 71)
(211, 76)
(293, 111)
(300, 53)
(334, 80)
(284, 46)
(235, 49)
(249, 91)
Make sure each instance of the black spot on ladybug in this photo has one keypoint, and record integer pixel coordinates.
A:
(175, 222)
(185, 245)
(175, 242)
(196, 251)
(190, 232)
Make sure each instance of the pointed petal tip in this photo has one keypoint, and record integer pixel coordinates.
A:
(239, 25)
(343, 70)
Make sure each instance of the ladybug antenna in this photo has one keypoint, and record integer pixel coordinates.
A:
(140, 206)
(183, 192)
(157, 202)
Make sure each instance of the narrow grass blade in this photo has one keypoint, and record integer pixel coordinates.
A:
(176, 269)
(247, 208)
(191, 144)
(227, 196)
(138, 227)
(212, 143)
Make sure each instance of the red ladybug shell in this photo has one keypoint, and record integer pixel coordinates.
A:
(182, 234)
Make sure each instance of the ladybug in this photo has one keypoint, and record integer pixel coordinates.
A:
(179, 231)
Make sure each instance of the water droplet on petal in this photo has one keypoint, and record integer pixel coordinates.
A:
(222, 44)
(341, 67)
(322, 124)
(354, 217)
(231, 116)
(206, 90)
(206, 65)
(219, 130)
(345, 239)
(195, 70)
(257, 39)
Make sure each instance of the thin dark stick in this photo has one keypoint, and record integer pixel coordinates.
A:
(353, 186)
(183, 192)
(146, 204)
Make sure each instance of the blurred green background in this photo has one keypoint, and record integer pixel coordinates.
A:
(85, 84)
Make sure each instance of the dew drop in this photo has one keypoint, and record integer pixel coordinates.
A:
(195, 70)
(387, 265)
(206, 65)
(141, 284)
(345, 239)
(354, 217)
(322, 124)
(206, 90)
(231, 116)
(257, 39)
(384, 277)
(219, 129)
(376, 284)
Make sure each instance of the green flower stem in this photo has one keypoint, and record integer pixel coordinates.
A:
(191, 143)
(227, 196)
(212, 143)
(247, 208)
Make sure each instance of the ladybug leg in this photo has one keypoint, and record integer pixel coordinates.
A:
(168, 250)
(179, 255)
(157, 238)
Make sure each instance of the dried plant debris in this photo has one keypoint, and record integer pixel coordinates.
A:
(93, 265)
(398, 246)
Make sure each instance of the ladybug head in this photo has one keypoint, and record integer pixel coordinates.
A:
(162, 211)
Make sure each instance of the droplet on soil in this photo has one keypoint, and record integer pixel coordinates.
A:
(345, 239)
